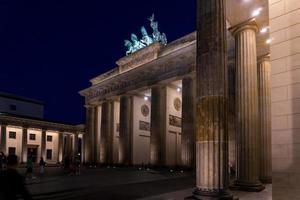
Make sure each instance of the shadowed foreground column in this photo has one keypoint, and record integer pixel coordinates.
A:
(212, 102)
(158, 126)
(106, 133)
(188, 128)
(247, 117)
(126, 117)
(264, 106)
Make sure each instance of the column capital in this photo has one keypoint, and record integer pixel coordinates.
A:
(249, 24)
(263, 58)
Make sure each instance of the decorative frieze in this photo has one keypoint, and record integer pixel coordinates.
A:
(144, 126)
(175, 121)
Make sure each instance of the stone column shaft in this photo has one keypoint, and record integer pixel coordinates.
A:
(24, 145)
(212, 102)
(188, 123)
(247, 117)
(94, 136)
(75, 145)
(60, 147)
(3, 139)
(158, 126)
(264, 105)
(126, 130)
(106, 141)
(88, 136)
(43, 144)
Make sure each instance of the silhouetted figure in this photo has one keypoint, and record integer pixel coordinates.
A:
(1, 161)
(42, 165)
(29, 167)
(12, 183)
(77, 165)
(67, 164)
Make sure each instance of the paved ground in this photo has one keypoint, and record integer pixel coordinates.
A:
(117, 183)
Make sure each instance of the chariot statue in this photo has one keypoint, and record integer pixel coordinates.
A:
(146, 39)
(129, 46)
(135, 44)
(157, 36)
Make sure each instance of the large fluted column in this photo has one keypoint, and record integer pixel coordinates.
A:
(75, 145)
(188, 126)
(264, 107)
(3, 139)
(106, 145)
(212, 102)
(60, 147)
(43, 144)
(158, 126)
(88, 136)
(126, 130)
(24, 144)
(247, 117)
(95, 136)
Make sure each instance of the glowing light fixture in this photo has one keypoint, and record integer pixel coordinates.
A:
(178, 90)
(146, 98)
(264, 29)
(256, 12)
(268, 41)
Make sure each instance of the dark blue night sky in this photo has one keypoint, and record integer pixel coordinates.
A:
(49, 49)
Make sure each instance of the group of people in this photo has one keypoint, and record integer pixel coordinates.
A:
(72, 165)
(30, 167)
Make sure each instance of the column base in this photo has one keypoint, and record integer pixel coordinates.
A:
(248, 187)
(210, 195)
(266, 180)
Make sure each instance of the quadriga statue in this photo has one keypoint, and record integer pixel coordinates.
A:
(136, 44)
(146, 39)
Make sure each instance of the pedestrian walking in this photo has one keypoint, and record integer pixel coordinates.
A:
(1, 161)
(77, 165)
(29, 168)
(42, 165)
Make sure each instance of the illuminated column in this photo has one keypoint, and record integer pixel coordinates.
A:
(106, 146)
(126, 129)
(24, 144)
(3, 138)
(97, 139)
(43, 144)
(75, 145)
(88, 136)
(158, 126)
(247, 117)
(188, 130)
(96, 136)
(212, 102)
(264, 107)
(60, 147)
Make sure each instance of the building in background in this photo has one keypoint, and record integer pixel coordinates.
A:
(26, 134)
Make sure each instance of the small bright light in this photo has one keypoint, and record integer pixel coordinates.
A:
(256, 12)
(178, 90)
(268, 41)
(146, 98)
(264, 29)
